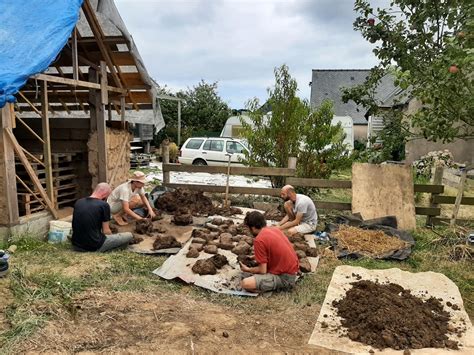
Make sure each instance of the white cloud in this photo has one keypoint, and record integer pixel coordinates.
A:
(239, 42)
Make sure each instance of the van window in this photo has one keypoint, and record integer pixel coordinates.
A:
(194, 143)
(214, 145)
(234, 147)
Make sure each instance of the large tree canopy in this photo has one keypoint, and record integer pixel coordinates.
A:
(428, 47)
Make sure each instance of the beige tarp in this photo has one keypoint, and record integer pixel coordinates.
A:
(437, 285)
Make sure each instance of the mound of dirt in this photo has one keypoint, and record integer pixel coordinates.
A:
(165, 242)
(204, 267)
(136, 240)
(227, 211)
(274, 215)
(210, 249)
(219, 261)
(371, 243)
(182, 217)
(389, 316)
(242, 248)
(192, 253)
(195, 201)
(305, 266)
(144, 226)
(247, 260)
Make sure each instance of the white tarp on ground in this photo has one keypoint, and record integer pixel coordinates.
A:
(437, 285)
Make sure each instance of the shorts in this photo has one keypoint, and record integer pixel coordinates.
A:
(271, 282)
(306, 228)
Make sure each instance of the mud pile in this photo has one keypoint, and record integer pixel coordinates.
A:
(182, 217)
(389, 316)
(135, 240)
(371, 243)
(165, 242)
(210, 266)
(274, 215)
(195, 201)
(144, 226)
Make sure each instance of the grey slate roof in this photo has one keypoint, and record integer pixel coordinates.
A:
(327, 84)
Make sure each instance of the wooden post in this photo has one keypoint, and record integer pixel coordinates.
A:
(165, 152)
(179, 123)
(437, 180)
(457, 203)
(102, 100)
(291, 165)
(122, 110)
(47, 141)
(93, 78)
(226, 202)
(75, 61)
(7, 170)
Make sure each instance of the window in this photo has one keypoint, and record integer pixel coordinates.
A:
(194, 143)
(214, 145)
(234, 147)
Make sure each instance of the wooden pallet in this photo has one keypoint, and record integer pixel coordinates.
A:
(65, 186)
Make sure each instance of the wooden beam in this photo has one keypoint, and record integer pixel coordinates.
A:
(101, 100)
(10, 215)
(438, 189)
(76, 83)
(46, 141)
(29, 103)
(232, 189)
(451, 200)
(234, 170)
(30, 171)
(75, 61)
(29, 129)
(457, 203)
(321, 183)
(35, 195)
(32, 157)
(428, 211)
(99, 35)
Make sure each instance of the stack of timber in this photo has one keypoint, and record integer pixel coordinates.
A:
(65, 185)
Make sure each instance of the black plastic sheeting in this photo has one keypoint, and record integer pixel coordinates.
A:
(386, 224)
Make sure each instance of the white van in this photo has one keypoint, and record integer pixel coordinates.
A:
(212, 151)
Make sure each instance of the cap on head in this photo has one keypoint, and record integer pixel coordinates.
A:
(137, 176)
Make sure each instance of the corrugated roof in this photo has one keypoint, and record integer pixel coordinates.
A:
(328, 83)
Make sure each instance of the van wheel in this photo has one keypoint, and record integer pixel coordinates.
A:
(199, 162)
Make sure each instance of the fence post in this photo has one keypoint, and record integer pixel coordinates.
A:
(165, 152)
(437, 180)
(291, 165)
(457, 203)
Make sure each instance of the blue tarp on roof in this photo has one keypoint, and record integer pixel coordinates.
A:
(32, 33)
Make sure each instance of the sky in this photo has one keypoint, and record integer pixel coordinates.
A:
(238, 43)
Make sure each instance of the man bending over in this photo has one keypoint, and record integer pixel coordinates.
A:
(90, 223)
(301, 216)
(277, 261)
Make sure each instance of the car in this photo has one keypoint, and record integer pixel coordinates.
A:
(212, 151)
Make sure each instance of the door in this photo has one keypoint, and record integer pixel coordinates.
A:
(237, 152)
(213, 152)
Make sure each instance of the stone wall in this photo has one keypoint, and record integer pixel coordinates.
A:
(118, 156)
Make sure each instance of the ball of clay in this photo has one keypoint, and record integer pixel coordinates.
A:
(192, 253)
(210, 249)
(204, 267)
(305, 266)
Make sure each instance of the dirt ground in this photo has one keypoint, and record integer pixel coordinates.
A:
(128, 322)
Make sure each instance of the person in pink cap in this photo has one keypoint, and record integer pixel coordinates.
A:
(128, 196)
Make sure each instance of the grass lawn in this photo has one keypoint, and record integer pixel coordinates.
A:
(57, 300)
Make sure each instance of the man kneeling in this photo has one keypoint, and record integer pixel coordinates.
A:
(278, 262)
(90, 223)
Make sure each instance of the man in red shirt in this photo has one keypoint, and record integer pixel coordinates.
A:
(278, 262)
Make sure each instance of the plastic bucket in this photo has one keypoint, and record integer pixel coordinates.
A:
(59, 231)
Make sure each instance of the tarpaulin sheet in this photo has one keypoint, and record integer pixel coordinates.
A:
(32, 33)
(332, 335)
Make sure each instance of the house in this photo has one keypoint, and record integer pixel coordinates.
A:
(67, 111)
(326, 84)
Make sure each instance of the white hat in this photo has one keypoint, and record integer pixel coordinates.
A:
(138, 176)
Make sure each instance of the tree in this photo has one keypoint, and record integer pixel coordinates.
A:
(202, 110)
(428, 47)
(292, 129)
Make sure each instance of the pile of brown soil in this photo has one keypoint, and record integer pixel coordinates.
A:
(371, 243)
(247, 260)
(209, 266)
(227, 211)
(136, 240)
(165, 242)
(182, 217)
(144, 226)
(274, 215)
(389, 316)
(195, 201)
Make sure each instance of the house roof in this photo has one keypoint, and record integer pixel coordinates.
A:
(327, 85)
(110, 38)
